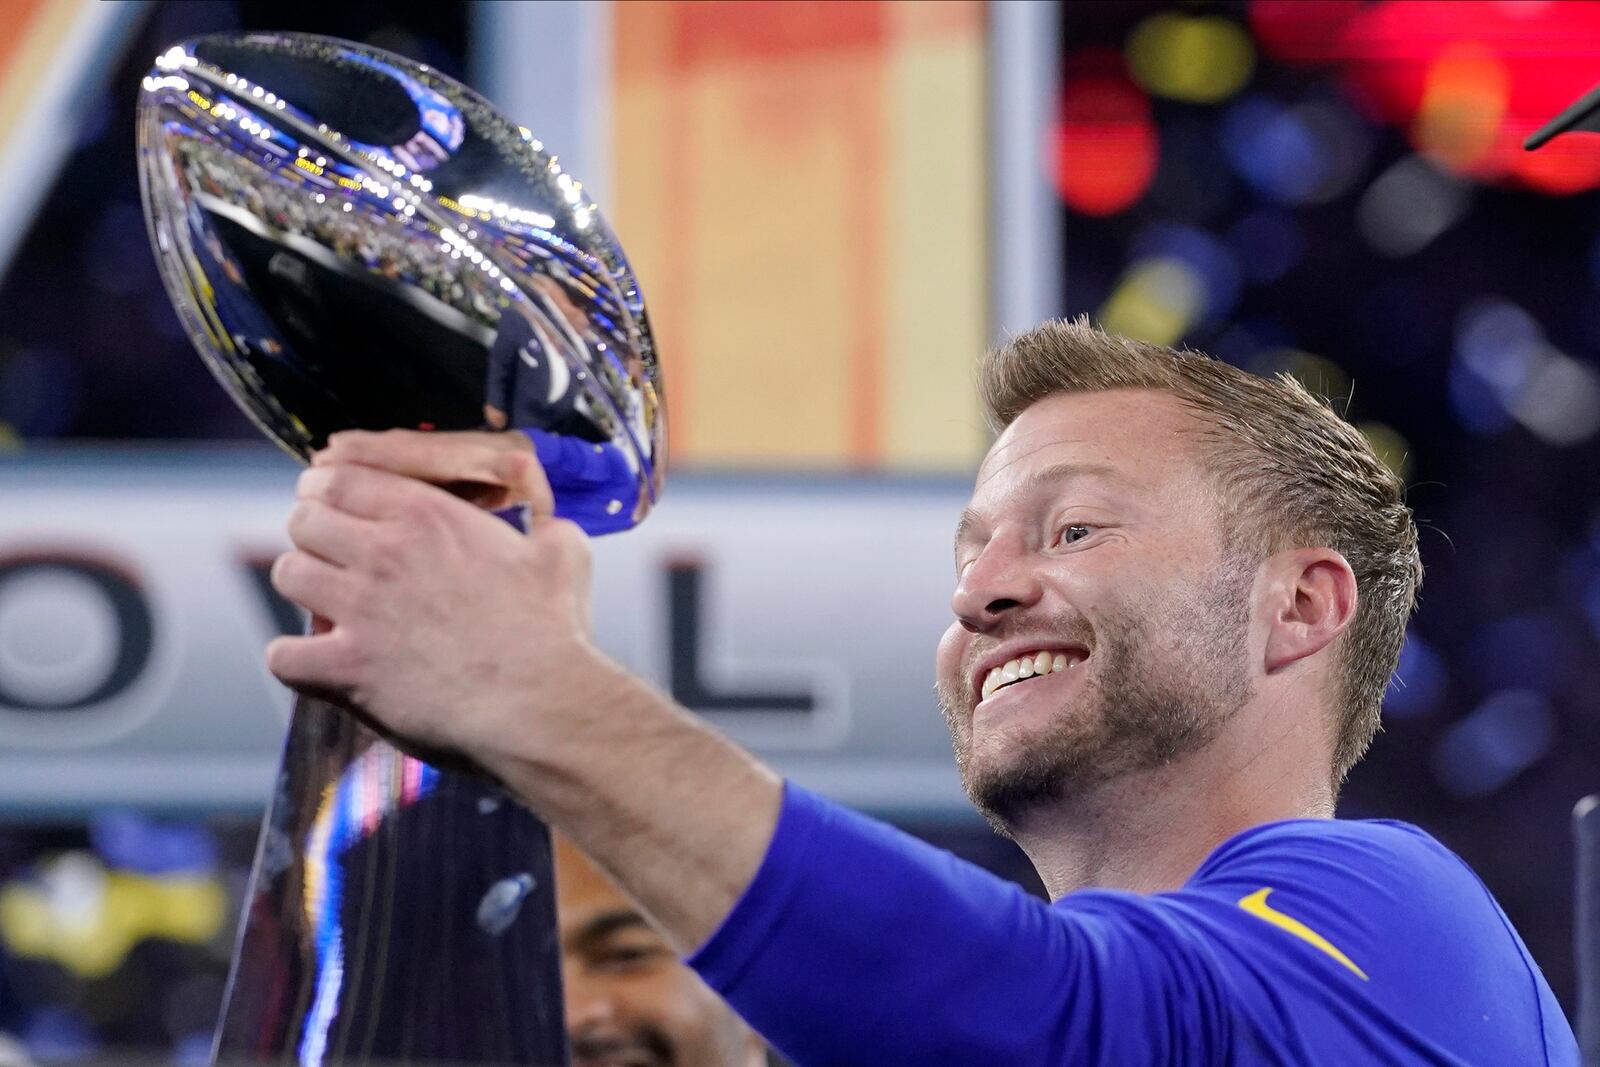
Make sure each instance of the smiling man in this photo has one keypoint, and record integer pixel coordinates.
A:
(630, 1001)
(1181, 591)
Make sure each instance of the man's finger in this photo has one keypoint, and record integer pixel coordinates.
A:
(441, 458)
(315, 584)
(364, 492)
(337, 536)
(318, 664)
(525, 481)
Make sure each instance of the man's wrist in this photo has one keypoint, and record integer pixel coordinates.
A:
(548, 730)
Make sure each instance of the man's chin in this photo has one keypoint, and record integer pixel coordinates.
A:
(1012, 779)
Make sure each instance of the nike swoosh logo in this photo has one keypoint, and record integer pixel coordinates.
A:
(1256, 904)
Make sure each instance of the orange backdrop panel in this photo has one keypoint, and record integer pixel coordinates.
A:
(801, 187)
(31, 32)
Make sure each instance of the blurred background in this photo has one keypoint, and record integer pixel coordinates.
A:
(832, 208)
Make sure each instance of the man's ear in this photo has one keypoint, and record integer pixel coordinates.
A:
(1311, 595)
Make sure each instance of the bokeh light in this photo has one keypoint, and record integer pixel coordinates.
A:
(1536, 650)
(1321, 376)
(1273, 150)
(1409, 206)
(1212, 262)
(1157, 300)
(1302, 31)
(1390, 445)
(1470, 81)
(1463, 108)
(1419, 682)
(1307, 153)
(1502, 737)
(1552, 395)
(1105, 147)
(1201, 59)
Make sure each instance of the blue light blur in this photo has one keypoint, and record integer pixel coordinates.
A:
(1274, 150)
(127, 840)
(1495, 339)
(1474, 403)
(1419, 683)
(1501, 738)
(58, 1035)
(1533, 651)
(1211, 260)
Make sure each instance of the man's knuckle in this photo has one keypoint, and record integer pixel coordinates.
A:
(284, 571)
(355, 661)
(300, 519)
(334, 485)
(384, 548)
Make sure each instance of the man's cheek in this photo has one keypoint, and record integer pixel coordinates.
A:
(947, 660)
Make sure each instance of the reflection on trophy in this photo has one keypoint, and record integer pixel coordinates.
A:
(354, 241)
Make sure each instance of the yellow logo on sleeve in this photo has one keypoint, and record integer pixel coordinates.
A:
(1256, 904)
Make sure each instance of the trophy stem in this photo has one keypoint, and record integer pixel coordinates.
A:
(396, 912)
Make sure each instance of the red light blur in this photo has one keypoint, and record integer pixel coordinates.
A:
(1105, 147)
(1302, 31)
(1396, 57)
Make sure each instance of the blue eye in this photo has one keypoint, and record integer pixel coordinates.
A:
(1075, 532)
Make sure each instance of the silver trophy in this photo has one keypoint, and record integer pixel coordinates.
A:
(354, 240)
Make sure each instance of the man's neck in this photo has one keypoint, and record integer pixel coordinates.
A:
(1147, 832)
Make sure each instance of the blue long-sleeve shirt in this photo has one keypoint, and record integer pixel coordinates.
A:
(1300, 942)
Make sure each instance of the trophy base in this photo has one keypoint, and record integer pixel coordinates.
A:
(396, 912)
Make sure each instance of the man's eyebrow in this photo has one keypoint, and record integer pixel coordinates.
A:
(1056, 472)
(605, 924)
(965, 523)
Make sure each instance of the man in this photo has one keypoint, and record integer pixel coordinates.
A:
(630, 1001)
(1181, 591)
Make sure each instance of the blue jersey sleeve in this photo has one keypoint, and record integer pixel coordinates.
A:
(1294, 943)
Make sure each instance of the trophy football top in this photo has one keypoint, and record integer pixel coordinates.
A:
(354, 240)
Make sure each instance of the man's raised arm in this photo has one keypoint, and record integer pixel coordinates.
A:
(452, 630)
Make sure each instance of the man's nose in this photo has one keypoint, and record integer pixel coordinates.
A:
(1003, 577)
(588, 1002)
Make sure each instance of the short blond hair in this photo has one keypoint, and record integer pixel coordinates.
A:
(1293, 474)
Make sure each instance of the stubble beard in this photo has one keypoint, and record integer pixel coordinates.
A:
(1138, 708)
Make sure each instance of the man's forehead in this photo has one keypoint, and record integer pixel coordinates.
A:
(1129, 433)
(581, 884)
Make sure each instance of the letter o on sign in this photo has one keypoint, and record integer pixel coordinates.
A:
(74, 632)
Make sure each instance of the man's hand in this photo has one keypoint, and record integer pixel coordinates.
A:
(447, 627)
(492, 470)
(445, 621)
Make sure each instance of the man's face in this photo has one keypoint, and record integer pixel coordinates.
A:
(630, 1002)
(1101, 627)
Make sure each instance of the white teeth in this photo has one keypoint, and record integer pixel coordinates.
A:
(1025, 667)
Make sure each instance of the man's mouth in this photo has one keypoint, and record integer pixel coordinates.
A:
(1029, 665)
(618, 1051)
(619, 1058)
(615, 1056)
